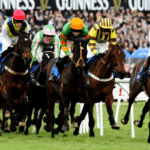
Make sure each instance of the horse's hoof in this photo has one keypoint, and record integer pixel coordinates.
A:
(74, 125)
(92, 134)
(21, 128)
(7, 130)
(26, 132)
(148, 141)
(7, 114)
(56, 131)
(65, 128)
(45, 119)
(75, 132)
(46, 128)
(13, 128)
(22, 124)
(115, 126)
(137, 123)
(123, 121)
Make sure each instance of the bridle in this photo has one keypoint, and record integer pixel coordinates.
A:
(113, 66)
(20, 50)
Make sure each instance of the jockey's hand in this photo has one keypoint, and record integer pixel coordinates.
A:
(97, 53)
(71, 56)
(13, 43)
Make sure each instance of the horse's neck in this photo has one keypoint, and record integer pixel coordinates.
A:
(101, 68)
(17, 64)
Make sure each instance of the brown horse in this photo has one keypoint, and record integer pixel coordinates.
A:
(102, 83)
(37, 97)
(135, 89)
(15, 77)
(71, 86)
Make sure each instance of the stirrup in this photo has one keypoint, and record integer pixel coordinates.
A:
(53, 78)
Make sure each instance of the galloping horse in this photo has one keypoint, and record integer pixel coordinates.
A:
(135, 89)
(15, 77)
(102, 83)
(37, 97)
(71, 86)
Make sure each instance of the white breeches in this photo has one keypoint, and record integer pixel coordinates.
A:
(9, 40)
(101, 48)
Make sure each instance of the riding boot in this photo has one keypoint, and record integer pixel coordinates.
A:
(60, 62)
(142, 72)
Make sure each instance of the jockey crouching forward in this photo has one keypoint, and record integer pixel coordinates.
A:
(100, 34)
(9, 36)
(45, 38)
(73, 29)
(9, 28)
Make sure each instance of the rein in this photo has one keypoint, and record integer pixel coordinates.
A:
(15, 72)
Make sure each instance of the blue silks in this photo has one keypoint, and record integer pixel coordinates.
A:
(56, 72)
(144, 73)
(33, 68)
(2, 60)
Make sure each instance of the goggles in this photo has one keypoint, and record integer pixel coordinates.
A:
(48, 35)
(19, 21)
(105, 30)
(73, 30)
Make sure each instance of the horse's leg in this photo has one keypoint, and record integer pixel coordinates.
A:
(109, 102)
(59, 119)
(72, 111)
(135, 90)
(35, 116)
(79, 119)
(28, 123)
(39, 120)
(144, 111)
(65, 126)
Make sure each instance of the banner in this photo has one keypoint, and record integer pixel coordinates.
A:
(75, 5)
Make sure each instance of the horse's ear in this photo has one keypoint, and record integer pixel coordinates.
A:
(111, 45)
(122, 45)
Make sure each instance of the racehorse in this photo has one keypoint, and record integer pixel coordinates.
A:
(135, 89)
(15, 77)
(70, 87)
(37, 97)
(102, 83)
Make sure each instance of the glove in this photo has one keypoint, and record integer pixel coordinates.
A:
(95, 52)
(71, 56)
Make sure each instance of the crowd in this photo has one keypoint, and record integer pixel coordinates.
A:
(131, 26)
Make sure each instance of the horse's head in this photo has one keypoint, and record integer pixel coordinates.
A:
(23, 47)
(48, 54)
(79, 52)
(118, 59)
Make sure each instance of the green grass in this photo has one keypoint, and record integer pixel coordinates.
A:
(111, 140)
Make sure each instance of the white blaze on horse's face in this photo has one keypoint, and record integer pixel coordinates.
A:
(47, 56)
(26, 39)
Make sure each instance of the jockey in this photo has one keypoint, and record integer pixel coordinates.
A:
(142, 73)
(45, 38)
(9, 28)
(100, 34)
(73, 29)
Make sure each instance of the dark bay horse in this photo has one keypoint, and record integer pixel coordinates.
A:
(71, 86)
(37, 97)
(15, 77)
(135, 89)
(102, 83)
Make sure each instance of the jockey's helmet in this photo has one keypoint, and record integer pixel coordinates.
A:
(19, 15)
(76, 24)
(106, 23)
(49, 30)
